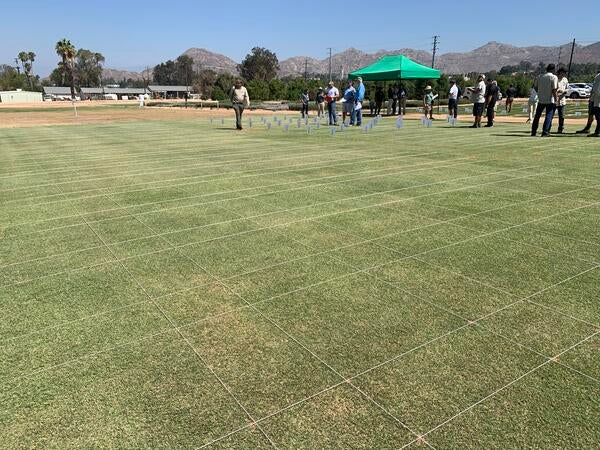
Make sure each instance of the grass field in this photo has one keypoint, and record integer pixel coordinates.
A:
(177, 284)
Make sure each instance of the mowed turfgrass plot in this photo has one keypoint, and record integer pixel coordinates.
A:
(178, 284)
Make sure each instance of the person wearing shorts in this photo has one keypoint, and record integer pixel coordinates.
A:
(478, 101)
(320, 101)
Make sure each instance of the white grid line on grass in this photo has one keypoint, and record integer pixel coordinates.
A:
(160, 235)
(324, 252)
(506, 386)
(396, 285)
(441, 307)
(137, 205)
(303, 288)
(396, 358)
(184, 338)
(539, 230)
(289, 335)
(359, 156)
(325, 164)
(177, 185)
(206, 150)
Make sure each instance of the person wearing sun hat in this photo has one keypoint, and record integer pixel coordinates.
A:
(478, 98)
(428, 102)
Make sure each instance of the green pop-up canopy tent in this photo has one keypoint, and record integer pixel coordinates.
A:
(395, 67)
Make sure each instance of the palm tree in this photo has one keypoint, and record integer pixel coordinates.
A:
(67, 52)
(27, 59)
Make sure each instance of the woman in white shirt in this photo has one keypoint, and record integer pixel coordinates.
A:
(532, 104)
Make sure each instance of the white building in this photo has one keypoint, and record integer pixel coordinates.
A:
(20, 96)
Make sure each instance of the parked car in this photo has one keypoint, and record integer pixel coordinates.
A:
(579, 90)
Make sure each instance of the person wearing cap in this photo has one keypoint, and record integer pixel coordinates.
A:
(428, 101)
(331, 99)
(532, 103)
(563, 87)
(453, 100)
(239, 99)
(478, 101)
(358, 101)
(320, 101)
(491, 97)
(547, 88)
(304, 100)
(348, 102)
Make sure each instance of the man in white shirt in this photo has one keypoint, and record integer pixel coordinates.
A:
(563, 86)
(547, 88)
(331, 98)
(478, 97)
(453, 100)
(595, 99)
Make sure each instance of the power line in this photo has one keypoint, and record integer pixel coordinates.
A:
(434, 49)
(571, 59)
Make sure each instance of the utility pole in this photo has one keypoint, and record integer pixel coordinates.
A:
(305, 69)
(330, 73)
(559, 54)
(434, 49)
(571, 59)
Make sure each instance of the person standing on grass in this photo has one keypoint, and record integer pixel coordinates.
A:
(349, 98)
(428, 102)
(392, 99)
(320, 101)
(511, 93)
(595, 101)
(491, 97)
(304, 99)
(239, 99)
(331, 99)
(453, 99)
(379, 97)
(563, 86)
(358, 103)
(402, 96)
(478, 97)
(547, 89)
(532, 104)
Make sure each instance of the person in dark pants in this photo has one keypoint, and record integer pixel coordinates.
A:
(239, 99)
(563, 86)
(392, 100)
(478, 96)
(491, 97)
(453, 97)
(304, 99)
(595, 100)
(547, 88)
(402, 97)
(331, 98)
(379, 97)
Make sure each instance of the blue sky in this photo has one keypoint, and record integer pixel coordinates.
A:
(132, 34)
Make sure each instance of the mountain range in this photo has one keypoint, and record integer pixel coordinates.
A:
(491, 56)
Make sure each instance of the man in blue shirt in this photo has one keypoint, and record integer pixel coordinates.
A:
(357, 111)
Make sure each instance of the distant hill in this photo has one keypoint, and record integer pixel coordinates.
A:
(491, 56)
